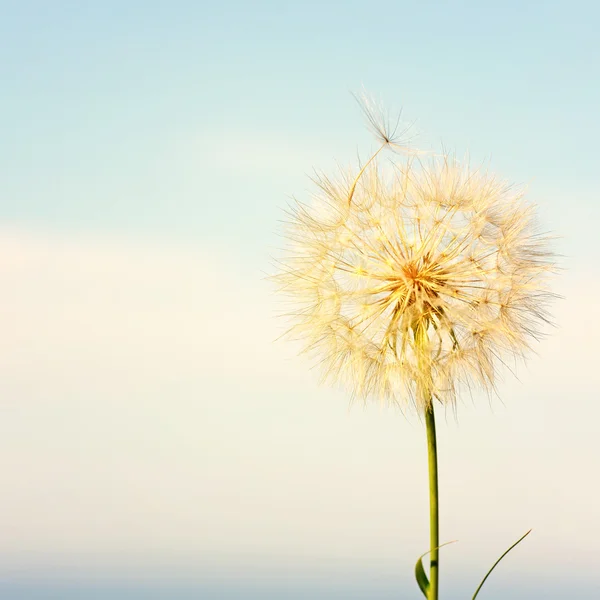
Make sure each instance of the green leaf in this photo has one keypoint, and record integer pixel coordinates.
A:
(422, 576)
(496, 563)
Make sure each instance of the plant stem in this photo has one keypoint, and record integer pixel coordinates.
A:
(425, 392)
(434, 521)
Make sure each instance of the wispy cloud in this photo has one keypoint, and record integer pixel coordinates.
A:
(147, 415)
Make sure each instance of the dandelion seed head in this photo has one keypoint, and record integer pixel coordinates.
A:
(409, 282)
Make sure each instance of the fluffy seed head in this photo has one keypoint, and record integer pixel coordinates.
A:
(411, 281)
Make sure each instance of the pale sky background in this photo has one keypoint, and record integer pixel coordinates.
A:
(154, 441)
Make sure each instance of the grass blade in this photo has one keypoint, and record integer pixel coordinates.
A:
(495, 564)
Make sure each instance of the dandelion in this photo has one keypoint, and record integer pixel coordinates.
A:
(412, 280)
(428, 278)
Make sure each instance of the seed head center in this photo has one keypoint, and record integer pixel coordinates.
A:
(419, 282)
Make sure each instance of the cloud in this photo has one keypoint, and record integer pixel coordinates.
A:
(101, 304)
(147, 417)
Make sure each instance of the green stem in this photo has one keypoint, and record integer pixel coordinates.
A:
(434, 520)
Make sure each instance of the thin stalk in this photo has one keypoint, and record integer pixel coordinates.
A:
(496, 563)
(423, 353)
(434, 520)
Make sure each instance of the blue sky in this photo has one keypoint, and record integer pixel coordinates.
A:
(147, 151)
(113, 107)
